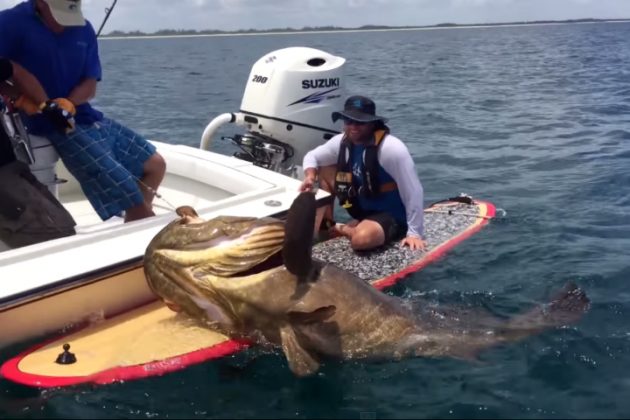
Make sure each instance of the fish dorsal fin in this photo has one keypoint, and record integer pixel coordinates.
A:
(301, 362)
(298, 236)
(318, 315)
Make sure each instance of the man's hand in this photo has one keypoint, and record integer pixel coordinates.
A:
(414, 242)
(60, 118)
(308, 184)
(66, 105)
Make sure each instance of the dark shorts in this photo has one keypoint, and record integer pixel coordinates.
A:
(393, 229)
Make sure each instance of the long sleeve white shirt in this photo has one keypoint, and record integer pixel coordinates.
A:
(395, 158)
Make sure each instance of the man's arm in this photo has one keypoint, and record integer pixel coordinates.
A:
(323, 155)
(83, 92)
(28, 85)
(396, 160)
(91, 75)
(20, 82)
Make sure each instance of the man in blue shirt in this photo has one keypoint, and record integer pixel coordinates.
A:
(119, 171)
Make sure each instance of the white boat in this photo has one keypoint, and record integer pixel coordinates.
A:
(98, 272)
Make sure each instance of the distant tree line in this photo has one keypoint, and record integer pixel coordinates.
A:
(176, 32)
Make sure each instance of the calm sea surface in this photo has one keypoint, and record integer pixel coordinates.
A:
(535, 119)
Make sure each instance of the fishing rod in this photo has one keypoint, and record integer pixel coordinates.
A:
(108, 11)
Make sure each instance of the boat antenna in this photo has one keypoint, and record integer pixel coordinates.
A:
(108, 11)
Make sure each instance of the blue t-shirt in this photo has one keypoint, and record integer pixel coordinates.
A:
(388, 202)
(59, 61)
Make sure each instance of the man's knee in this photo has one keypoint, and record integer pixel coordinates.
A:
(362, 241)
(155, 165)
(365, 239)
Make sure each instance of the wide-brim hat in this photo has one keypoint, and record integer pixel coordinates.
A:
(358, 108)
(66, 12)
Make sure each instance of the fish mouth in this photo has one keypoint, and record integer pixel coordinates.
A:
(228, 256)
(188, 258)
(225, 247)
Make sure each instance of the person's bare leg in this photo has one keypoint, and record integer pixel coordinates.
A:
(138, 212)
(154, 170)
(364, 235)
(344, 229)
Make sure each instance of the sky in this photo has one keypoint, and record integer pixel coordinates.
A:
(230, 15)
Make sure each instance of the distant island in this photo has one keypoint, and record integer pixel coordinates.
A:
(193, 32)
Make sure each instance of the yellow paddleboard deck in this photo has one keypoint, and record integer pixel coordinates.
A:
(147, 341)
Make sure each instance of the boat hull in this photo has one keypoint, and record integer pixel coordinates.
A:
(90, 299)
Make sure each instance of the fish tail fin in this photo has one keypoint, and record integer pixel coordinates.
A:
(565, 308)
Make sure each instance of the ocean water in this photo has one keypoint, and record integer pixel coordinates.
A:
(535, 119)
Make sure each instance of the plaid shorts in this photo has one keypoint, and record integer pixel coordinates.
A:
(107, 159)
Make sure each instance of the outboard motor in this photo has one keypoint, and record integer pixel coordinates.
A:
(286, 108)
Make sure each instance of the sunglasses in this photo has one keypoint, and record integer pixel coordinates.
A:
(353, 122)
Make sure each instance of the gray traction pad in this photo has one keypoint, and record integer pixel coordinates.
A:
(391, 259)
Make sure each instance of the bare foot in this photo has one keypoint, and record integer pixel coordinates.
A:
(341, 229)
(138, 212)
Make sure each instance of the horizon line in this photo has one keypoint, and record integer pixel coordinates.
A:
(364, 28)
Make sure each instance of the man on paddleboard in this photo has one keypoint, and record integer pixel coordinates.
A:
(372, 174)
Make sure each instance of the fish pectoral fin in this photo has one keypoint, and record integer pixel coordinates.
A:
(301, 362)
(318, 315)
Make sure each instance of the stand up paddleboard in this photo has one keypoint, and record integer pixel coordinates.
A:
(152, 340)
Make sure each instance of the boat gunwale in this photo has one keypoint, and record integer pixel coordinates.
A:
(44, 291)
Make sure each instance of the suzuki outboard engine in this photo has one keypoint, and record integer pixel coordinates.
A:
(286, 108)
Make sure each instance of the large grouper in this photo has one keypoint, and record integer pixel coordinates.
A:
(254, 278)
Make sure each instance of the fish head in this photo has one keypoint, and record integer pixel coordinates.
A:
(247, 277)
(188, 258)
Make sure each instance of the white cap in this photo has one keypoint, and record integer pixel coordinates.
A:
(66, 12)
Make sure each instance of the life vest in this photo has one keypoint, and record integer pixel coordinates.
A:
(345, 190)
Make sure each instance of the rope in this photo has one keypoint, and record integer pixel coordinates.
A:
(156, 194)
(461, 213)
